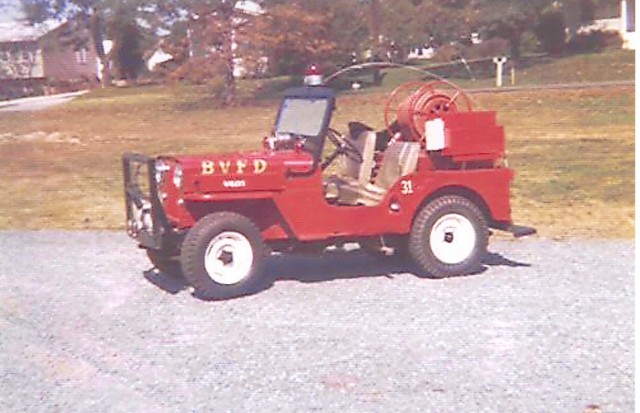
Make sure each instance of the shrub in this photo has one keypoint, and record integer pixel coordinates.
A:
(551, 32)
(488, 49)
(447, 53)
(529, 43)
(595, 41)
(200, 70)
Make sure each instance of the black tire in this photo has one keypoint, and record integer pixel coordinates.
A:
(440, 221)
(165, 263)
(232, 237)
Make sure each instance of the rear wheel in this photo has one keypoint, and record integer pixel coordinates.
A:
(222, 256)
(449, 237)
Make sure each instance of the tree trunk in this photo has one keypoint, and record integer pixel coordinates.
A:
(230, 87)
(95, 23)
(571, 12)
(516, 41)
(105, 75)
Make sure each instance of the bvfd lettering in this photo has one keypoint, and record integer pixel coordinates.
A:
(239, 167)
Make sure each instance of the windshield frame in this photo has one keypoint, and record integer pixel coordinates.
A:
(312, 144)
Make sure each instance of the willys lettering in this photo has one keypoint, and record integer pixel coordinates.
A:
(239, 167)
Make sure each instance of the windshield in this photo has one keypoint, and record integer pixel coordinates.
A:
(302, 116)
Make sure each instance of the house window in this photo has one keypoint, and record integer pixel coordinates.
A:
(81, 56)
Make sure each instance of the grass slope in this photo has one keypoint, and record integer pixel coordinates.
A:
(573, 151)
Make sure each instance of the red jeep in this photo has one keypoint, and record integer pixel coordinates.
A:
(427, 188)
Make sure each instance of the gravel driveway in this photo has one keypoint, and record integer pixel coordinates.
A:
(31, 104)
(87, 326)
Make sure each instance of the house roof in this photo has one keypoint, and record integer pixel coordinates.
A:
(17, 31)
(249, 7)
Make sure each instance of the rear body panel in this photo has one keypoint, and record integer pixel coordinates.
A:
(311, 218)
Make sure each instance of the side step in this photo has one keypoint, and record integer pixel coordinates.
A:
(520, 231)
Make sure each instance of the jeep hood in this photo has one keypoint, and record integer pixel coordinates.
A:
(241, 171)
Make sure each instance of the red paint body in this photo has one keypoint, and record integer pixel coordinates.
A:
(282, 191)
(285, 203)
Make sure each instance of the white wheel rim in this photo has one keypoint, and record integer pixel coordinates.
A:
(452, 239)
(228, 258)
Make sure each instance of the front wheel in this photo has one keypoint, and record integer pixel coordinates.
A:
(222, 256)
(449, 237)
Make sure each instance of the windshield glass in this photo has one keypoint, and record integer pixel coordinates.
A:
(302, 116)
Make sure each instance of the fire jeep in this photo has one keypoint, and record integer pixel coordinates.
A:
(428, 188)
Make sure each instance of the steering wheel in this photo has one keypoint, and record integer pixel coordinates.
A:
(343, 147)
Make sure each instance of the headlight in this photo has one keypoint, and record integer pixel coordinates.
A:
(161, 168)
(177, 176)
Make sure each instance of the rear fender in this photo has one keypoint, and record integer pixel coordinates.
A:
(469, 194)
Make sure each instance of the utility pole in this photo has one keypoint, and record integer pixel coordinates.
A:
(374, 24)
(376, 37)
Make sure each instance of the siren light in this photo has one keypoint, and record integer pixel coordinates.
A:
(313, 76)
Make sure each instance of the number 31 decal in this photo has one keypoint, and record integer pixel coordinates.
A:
(407, 187)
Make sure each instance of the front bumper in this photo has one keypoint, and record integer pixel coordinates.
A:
(146, 222)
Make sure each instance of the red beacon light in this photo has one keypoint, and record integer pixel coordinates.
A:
(313, 76)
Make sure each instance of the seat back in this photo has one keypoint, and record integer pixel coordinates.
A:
(366, 144)
(400, 159)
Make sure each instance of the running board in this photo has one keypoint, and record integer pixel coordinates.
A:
(520, 231)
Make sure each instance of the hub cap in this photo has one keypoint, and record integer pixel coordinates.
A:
(228, 258)
(452, 239)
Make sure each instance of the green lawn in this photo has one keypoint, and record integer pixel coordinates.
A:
(611, 65)
(573, 150)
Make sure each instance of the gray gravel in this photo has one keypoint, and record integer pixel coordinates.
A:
(87, 326)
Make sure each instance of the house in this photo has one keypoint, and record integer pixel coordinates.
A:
(37, 59)
(423, 52)
(628, 26)
(157, 58)
(621, 20)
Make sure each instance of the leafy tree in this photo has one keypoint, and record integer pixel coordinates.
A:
(510, 19)
(507, 19)
(294, 37)
(128, 49)
(551, 30)
(214, 30)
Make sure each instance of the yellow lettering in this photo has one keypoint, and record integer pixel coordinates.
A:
(259, 166)
(241, 165)
(224, 166)
(207, 167)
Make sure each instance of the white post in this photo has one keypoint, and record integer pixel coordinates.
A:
(499, 62)
(624, 18)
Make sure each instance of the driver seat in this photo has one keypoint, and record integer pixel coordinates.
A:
(400, 159)
(360, 172)
(353, 173)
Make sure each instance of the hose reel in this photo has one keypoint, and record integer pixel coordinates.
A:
(412, 104)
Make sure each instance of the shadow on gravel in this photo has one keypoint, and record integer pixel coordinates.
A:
(496, 260)
(169, 283)
(332, 266)
(349, 265)
(323, 268)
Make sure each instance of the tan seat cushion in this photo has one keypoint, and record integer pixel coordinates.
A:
(365, 142)
(400, 159)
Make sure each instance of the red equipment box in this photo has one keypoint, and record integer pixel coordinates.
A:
(473, 136)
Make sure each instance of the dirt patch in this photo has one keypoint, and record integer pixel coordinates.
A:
(40, 136)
